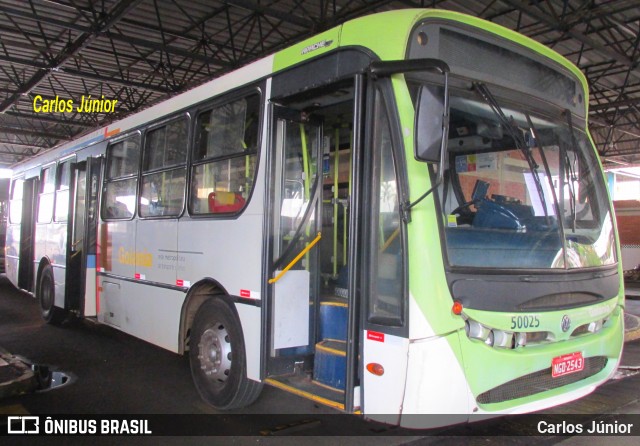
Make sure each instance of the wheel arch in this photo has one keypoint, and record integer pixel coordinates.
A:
(200, 292)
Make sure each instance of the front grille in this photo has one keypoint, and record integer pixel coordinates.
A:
(559, 301)
(540, 381)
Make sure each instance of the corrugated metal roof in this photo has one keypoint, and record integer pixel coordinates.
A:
(142, 51)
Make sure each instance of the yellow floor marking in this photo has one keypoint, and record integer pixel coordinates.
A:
(13, 409)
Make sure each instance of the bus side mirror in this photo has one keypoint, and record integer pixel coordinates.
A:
(431, 123)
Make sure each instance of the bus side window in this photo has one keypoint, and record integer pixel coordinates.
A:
(164, 170)
(15, 205)
(387, 257)
(119, 198)
(45, 200)
(62, 191)
(225, 156)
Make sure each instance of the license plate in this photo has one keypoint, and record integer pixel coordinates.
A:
(566, 364)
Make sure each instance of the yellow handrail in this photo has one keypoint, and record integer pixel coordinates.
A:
(391, 238)
(298, 257)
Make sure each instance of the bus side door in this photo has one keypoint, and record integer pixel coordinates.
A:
(81, 233)
(385, 342)
(297, 182)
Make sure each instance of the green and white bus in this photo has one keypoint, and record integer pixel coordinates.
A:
(401, 217)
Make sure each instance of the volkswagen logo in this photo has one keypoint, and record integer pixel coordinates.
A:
(566, 323)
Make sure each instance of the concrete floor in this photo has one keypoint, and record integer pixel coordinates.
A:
(118, 374)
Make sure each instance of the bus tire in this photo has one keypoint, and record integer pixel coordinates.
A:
(46, 297)
(217, 358)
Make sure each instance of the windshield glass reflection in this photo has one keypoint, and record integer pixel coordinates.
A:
(521, 190)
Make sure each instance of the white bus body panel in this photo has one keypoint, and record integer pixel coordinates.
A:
(148, 313)
(437, 392)
(118, 248)
(157, 256)
(228, 251)
(153, 314)
(436, 383)
(90, 304)
(12, 251)
(419, 326)
(111, 311)
(383, 395)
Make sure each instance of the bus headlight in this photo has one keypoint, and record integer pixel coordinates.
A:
(497, 338)
(596, 326)
(503, 339)
(475, 330)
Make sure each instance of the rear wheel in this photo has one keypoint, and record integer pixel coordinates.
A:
(217, 358)
(46, 296)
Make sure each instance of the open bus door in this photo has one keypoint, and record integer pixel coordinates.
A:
(312, 310)
(80, 292)
(312, 343)
(385, 342)
(292, 298)
(27, 235)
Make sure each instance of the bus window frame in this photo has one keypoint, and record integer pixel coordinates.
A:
(106, 180)
(11, 199)
(383, 88)
(71, 160)
(186, 116)
(227, 98)
(41, 186)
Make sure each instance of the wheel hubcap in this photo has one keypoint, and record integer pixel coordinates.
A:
(214, 353)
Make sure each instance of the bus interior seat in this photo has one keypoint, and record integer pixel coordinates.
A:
(221, 201)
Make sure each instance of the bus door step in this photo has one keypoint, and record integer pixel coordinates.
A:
(333, 320)
(329, 368)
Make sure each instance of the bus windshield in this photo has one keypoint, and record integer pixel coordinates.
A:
(521, 190)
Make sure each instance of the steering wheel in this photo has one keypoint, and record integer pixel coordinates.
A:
(461, 207)
(477, 195)
(497, 215)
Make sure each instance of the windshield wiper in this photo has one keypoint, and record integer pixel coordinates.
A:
(517, 137)
(570, 172)
(545, 163)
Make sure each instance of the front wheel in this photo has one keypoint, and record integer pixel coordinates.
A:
(217, 358)
(46, 294)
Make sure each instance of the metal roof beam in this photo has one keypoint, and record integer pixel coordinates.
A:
(626, 102)
(559, 26)
(41, 134)
(83, 40)
(42, 118)
(166, 48)
(3, 152)
(616, 128)
(16, 144)
(84, 74)
(103, 31)
(271, 12)
(117, 81)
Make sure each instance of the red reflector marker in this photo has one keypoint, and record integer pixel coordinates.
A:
(375, 368)
(457, 308)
